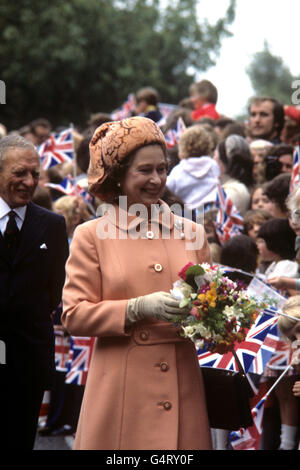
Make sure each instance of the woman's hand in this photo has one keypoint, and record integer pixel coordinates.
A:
(282, 283)
(160, 305)
(296, 389)
(60, 328)
(277, 282)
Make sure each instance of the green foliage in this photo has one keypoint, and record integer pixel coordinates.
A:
(270, 76)
(64, 60)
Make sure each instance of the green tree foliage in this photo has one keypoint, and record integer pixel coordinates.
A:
(64, 60)
(270, 76)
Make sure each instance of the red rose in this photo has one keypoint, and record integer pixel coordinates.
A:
(183, 271)
(195, 312)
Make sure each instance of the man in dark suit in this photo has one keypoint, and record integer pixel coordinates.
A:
(33, 252)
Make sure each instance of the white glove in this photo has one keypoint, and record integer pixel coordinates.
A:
(160, 305)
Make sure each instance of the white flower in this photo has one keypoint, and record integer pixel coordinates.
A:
(229, 311)
(189, 331)
(239, 313)
(202, 330)
(177, 291)
(206, 267)
(177, 294)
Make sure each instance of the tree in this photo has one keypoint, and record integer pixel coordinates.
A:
(270, 76)
(64, 60)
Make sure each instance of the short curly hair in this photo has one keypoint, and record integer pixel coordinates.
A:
(195, 141)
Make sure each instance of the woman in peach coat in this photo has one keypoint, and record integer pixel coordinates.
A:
(144, 388)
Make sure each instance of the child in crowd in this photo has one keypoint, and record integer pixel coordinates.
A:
(259, 200)
(196, 177)
(275, 243)
(290, 331)
(253, 220)
(147, 104)
(204, 96)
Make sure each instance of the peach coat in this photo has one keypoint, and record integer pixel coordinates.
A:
(144, 388)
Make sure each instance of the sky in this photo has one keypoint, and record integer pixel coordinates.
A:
(256, 21)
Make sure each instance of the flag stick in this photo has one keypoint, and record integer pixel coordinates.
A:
(74, 161)
(279, 312)
(241, 369)
(278, 380)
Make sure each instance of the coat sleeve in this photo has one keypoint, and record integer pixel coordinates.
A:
(85, 313)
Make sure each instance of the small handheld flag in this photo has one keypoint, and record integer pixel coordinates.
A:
(58, 148)
(295, 178)
(228, 221)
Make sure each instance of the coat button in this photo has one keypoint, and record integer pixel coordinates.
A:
(150, 235)
(144, 335)
(164, 367)
(167, 405)
(158, 267)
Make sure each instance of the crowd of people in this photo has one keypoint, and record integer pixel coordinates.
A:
(253, 162)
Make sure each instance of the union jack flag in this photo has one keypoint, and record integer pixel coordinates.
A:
(265, 353)
(249, 439)
(228, 221)
(125, 110)
(295, 178)
(246, 351)
(281, 355)
(172, 136)
(166, 109)
(81, 349)
(66, 186)
(62, 350)
(58, 148)
(86, 196)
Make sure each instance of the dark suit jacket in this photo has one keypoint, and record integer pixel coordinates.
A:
(30, 289)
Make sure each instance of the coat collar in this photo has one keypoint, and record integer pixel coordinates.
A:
(124, 220)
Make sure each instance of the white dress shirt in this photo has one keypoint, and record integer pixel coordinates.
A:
(4, 211)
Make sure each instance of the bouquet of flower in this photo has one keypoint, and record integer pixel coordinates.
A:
(220, 311)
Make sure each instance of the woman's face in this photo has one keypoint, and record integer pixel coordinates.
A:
(295, 226)
(294, 333)
(145, 179)
(253, 231)
(261, 201)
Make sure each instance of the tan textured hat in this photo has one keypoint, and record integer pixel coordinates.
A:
(114, 141)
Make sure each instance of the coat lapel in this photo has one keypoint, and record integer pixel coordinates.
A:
(33, 227)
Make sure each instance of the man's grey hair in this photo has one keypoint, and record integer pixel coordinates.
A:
(293, 204)
(13, 141)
